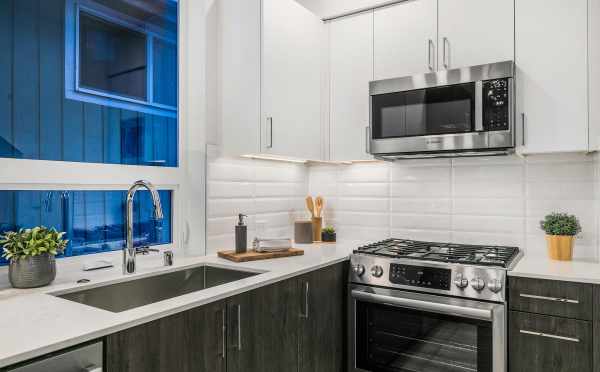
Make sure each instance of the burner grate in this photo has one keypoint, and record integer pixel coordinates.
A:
(486, 255)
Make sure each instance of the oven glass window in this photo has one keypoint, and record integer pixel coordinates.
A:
(441, 110)
(391, 339)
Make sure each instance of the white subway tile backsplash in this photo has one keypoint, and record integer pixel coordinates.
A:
(421, 221)
(495, 200)
(364, 189)
(423, 206)
(489, 207)
(421, 190)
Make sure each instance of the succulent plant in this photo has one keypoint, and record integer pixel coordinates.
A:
(32, 242)
(329, 230)
(560, 224)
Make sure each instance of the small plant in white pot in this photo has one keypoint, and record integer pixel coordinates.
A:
(561, 230)
(31, 254)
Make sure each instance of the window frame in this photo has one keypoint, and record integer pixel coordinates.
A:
(73, 88)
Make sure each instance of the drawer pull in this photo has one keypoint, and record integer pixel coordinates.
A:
(541, 334)
(554, 299)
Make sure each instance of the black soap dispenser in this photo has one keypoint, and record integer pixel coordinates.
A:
(241, 235)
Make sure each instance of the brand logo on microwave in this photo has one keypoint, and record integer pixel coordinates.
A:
(434, 141)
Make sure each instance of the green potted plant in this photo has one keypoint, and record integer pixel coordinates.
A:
(31, 254)
(561, 230)
(328, 234)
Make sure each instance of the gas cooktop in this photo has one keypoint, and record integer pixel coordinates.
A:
(485, 255)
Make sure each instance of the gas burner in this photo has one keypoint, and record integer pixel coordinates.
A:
(442, 252)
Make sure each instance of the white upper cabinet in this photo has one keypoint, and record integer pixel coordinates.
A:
(270, 58)
(351, 70)
(475, 32)
(405, 41)
(291, 80)
(552, 75)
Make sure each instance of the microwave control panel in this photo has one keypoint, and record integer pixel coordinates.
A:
(496, 110)
(416, 276)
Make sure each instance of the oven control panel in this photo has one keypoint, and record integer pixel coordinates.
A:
(417, 276)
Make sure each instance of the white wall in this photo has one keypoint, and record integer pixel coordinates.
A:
(329, 8)
(498, 200)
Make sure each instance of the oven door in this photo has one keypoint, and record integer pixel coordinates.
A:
(399, 331)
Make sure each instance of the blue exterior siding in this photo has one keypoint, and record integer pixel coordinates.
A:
(38, 122)
(93, 220)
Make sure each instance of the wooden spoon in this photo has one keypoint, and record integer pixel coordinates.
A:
(310, 205)
(319, 205)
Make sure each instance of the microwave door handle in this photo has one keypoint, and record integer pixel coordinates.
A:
(424, 305)
(479, 106)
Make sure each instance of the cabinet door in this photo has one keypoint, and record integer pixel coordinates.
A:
(291, 80)
(351, 70)
(322, 320)
(192, 341)
(552, 114)
(239, 35)
(540, 343)
(475, 32)
(263, 329)
(405, 39)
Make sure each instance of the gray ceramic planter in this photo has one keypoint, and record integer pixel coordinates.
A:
(32, 272)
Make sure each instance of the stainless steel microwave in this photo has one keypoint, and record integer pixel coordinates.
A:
(460, 112)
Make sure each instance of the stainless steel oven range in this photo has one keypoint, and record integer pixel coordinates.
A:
(423, 306)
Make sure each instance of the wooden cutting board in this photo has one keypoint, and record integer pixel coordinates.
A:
(256, 256)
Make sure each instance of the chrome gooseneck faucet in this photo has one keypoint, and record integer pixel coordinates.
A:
(129, 250)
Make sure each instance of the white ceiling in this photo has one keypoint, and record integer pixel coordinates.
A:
(329, 8)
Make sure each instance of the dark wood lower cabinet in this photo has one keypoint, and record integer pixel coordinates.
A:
(543, 343)
(322, 337)
(191, 341)
(296, 325)
(263, 329)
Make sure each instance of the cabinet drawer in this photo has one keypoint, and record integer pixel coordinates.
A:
(566, 299)
(546, 343)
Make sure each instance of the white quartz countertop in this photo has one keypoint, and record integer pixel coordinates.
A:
(34, 322)
(539, 267)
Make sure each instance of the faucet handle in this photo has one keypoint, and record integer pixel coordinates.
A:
(168, 258)
(146, 250)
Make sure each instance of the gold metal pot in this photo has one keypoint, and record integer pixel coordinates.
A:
(560, 247)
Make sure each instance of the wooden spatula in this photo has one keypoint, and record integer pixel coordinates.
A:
(310, 205)
(319, 205)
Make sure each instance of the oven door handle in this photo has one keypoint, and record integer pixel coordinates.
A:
(485, 314)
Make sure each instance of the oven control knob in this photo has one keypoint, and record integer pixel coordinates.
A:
(478, 284)
(495, 285)
(460, 281)
(377, 271)
(359, 269)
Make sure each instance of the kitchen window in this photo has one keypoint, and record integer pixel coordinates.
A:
(122, 58)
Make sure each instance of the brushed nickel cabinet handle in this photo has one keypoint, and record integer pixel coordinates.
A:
(305, 313)
(553, 299)
(223, 334)
(523, 129)
(445, 52)
(547, 335)
(239, 327)
(270, 133)
(429, 54)
(368, 140)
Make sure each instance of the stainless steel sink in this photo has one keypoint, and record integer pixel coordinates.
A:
(139, 292)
